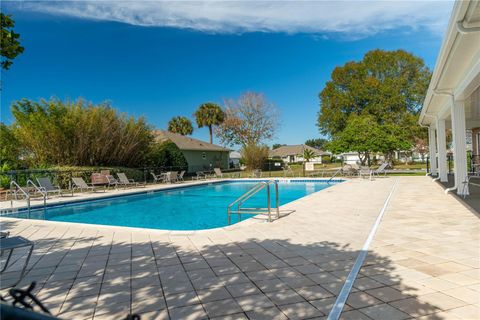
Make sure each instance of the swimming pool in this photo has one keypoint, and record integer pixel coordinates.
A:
(188, 208)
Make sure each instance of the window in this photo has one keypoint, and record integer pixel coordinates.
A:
(204, 156)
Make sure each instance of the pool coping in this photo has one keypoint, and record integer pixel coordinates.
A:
(243, 223)
(64, 201)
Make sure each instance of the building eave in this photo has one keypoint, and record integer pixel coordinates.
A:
(441, 72)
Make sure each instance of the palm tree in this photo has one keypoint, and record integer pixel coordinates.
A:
(308, 155)
(180, 125)
(208, 115)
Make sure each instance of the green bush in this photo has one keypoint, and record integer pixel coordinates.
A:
(254, 156)
(167, 154)
(77, 133)
(9, 148)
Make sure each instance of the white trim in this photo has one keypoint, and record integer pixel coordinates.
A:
(467, 86)
(432, 150)
(442, 150)
(448, 49)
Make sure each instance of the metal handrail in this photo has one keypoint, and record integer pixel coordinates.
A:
(25, 193)
(251, 192)
(259, 185)
(40, 190)
(335, 174)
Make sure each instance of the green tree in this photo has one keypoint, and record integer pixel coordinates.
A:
(318, 143)
(209, 115)
(9, 147)
(364, 135)
(277, 145)
(180, 125)
(167, 154)
(10, 44)
(254, 156)
(308, 155)
(10, 153)
(388, 86)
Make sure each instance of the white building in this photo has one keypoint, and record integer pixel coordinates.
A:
(235, 157)
(294, 153)
(453, 97)
(350, 158)
(353, 158)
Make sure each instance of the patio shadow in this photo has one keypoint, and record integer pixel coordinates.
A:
(91, 276)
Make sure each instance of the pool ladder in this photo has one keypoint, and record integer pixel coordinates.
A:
(14, 193)
(335, 174)
(250, 193)
(26, 193)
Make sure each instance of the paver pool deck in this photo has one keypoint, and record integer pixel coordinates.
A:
(424, 261)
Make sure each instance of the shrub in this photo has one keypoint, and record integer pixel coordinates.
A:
(167, 154)
(254, 156)
(9, 147)
(326, 159)
(79, 134)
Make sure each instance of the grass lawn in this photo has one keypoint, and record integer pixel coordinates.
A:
(325, 170)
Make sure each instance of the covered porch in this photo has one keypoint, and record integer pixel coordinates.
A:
(472, 200)
(452, 106)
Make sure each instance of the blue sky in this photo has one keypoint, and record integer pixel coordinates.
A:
(160, 61)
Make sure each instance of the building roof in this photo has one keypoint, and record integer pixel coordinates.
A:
(293, 150)
(457, 68)
(187, 143)
(235, 155)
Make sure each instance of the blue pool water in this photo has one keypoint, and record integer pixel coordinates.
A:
(190, 208)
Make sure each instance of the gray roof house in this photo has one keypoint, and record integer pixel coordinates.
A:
(199, 154)
(294, 153)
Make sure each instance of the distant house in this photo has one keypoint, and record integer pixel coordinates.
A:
(294, 153)
(350, 157)
(353, 158)
(199, 154)
(235, 157)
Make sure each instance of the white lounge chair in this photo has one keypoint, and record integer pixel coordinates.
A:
(200, 175)
(180, 176)
(365, 172)
(381, 169)
(349, 170)
(46, 185)
(171, 177)
(158, 178)
(9, 244)
(218, 172)
(111, 181)
(123, 180)
(80, 184)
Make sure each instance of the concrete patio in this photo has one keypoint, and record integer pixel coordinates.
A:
(424, 261)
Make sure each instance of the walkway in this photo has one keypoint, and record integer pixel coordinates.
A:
(424, 261)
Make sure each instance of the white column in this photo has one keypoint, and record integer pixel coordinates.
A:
(459, 146)
(432, 150)
(442, 150)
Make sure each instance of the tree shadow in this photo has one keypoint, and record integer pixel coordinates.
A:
(85, 276)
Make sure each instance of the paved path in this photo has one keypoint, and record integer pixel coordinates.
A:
(424, 261)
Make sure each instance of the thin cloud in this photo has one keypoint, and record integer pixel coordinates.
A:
(352, 18)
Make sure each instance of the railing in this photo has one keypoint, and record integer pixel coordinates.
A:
(39, 190)
(335, 174)
(250, 193)
(18, 188)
